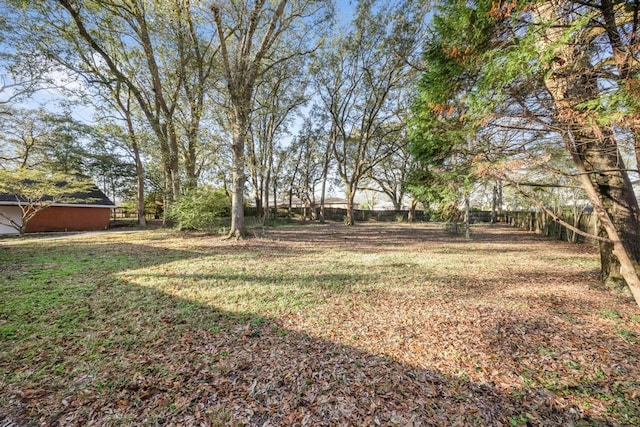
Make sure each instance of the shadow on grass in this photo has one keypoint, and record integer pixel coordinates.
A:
(338, 282)
(102, 351)
(83, 345)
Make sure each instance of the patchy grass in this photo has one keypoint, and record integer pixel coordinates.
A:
(319, 325)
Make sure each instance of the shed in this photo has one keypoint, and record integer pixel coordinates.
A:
(89, 211)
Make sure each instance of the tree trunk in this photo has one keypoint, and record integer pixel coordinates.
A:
(174, 166)
(612, 188)
(190, 167)
(142, 220)
(165, 197)
(322, 197)
(351, 194)
(609, 264)
(258, 201)
(273, 186)
(411, 217)
(267, 180)
(494, 205)
(263, 212)
(313, 205)
(237, 229)
(571, 81)
(499, 199)
(125, 106)
(467, 215)
(325, 175)
(628, 265)
(275, 200)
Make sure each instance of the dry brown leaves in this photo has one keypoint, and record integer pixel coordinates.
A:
(508, 329)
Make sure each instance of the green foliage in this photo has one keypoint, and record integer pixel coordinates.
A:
(479, 54)
(443, 130)
(200, 207)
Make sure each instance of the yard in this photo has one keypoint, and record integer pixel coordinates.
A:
(314, 325)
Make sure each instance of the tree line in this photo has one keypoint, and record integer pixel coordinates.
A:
(192, 92)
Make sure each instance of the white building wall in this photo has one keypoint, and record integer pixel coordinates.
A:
(12, 212)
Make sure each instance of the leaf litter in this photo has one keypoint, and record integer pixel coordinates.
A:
(317, 325)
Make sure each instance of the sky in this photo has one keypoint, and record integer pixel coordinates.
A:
(51, 99)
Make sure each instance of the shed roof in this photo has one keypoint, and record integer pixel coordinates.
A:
(92, 197)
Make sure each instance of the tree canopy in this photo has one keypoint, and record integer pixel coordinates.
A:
(531, 83)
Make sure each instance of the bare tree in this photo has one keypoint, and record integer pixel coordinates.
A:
(249, 33)
(358, 77)
(278, 96)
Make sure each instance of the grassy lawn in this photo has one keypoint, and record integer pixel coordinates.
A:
(316, 325)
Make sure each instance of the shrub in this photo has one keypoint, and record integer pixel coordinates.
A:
(199, 208)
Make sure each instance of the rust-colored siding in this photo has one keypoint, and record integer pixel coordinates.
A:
(65, 218)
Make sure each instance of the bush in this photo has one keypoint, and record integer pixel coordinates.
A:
(199, 208)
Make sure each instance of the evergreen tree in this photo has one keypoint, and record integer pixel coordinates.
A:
(558, 73)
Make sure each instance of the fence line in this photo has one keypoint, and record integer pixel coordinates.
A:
(338, 214)
(537, 222)
(543, 224)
